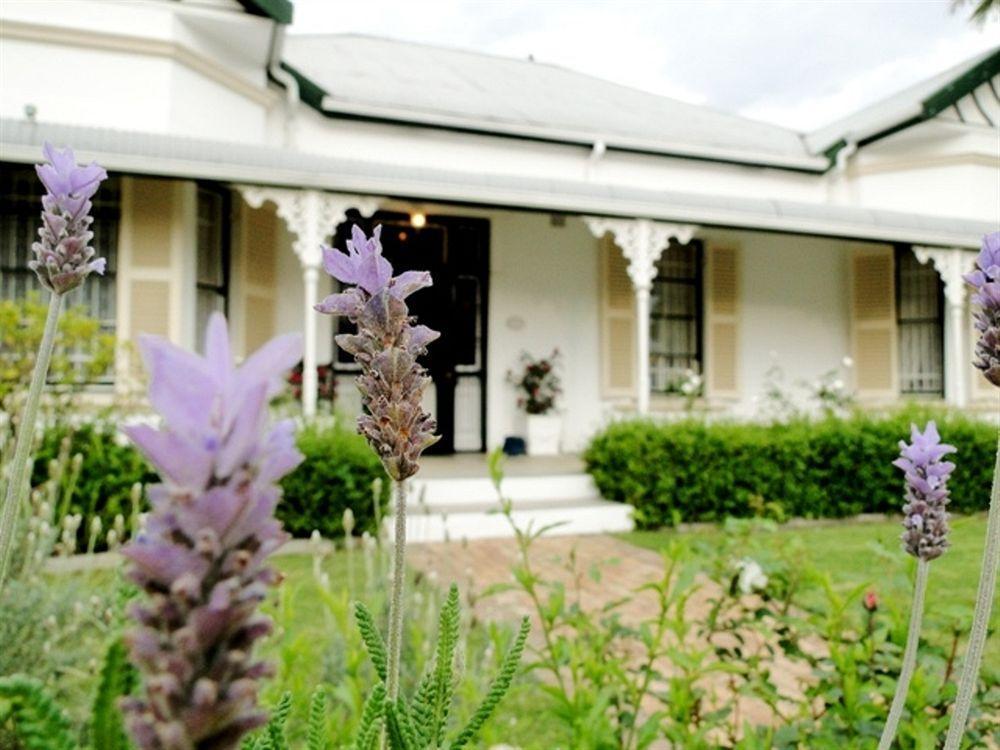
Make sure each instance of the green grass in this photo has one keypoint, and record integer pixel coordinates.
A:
(869, 554)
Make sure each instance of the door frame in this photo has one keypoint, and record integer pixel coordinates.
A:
(479, 225)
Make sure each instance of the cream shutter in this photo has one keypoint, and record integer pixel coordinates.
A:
(618, 375)
(722, 301)
(873, 322)
(253, 288)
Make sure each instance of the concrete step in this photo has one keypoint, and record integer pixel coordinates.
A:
(468, 521)
(476, 491)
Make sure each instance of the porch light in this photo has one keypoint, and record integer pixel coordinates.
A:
(418, 221)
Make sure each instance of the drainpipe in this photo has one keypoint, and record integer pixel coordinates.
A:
(849, 149)
(286, 79)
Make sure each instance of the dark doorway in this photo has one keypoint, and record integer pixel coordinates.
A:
(455, 249)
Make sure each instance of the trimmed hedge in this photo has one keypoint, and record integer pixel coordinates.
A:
(338, 473)
(109, 468)
(693, 471)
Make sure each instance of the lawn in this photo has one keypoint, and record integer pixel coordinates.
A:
(315, 641)
(869, 554)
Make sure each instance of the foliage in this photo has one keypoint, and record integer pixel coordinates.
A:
(538, 384)
(340, 472)
(102, 480)
(117, 678)
(693, 471)
(95, 470)
(39, 723)
(420, 724)
(83, 352)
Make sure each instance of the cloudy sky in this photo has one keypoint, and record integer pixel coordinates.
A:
(799, 63)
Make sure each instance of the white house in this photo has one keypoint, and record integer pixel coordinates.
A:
(640, 235)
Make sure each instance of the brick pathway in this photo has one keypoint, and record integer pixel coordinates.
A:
(476, 565)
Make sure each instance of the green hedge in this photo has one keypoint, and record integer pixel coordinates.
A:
(337, 473)
(109, 468)
(693, 471)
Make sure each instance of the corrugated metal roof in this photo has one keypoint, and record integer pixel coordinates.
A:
(155, 154)
(409, 82)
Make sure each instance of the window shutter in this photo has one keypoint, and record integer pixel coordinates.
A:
(618, 375)
(873, 322)
(722, 302)
(253, 298)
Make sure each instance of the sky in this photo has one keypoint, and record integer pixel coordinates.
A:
(797, 63)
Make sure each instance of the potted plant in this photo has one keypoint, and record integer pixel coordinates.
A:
(538, 387)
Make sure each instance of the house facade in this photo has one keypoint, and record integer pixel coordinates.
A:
(642, 237)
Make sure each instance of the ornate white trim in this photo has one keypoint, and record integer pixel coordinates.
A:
(311, 215)
(951, 263)
(642, 242)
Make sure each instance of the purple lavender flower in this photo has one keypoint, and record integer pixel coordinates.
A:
(386, 346)
(212, 526)
(986, 281)
(925, 523)
(63, 257)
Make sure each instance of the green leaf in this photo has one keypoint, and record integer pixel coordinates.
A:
(497, 690)
(117, 679)
(370, 726)
(317, 721)
(372, 638)
(38, 722)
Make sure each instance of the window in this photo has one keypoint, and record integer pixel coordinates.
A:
(213, 256)
(20, 217)
(919, 313)
(675, 317)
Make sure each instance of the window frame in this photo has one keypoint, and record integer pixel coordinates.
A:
(903, 251)
(697, 315)
(223, 288)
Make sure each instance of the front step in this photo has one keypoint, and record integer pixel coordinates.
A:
(468, 508)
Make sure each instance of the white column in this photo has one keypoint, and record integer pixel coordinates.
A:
(642, 242)
(951, 264)
(312, 216)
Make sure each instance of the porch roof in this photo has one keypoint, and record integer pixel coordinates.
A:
(171, 156)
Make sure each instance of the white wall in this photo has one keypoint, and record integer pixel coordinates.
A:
(182, 69)
(543, 294)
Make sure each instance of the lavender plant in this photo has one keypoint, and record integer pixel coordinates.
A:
(63, 260)
(925, 536)
(985, 281)
(392, 382)
(202, 559)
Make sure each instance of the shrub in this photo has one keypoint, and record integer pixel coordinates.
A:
(338, 473)
(110, 466)
(832, 468)
(83, 352)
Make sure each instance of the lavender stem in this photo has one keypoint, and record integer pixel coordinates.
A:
(25, 434)
(909, 656)
(396, 592)
(981, 618)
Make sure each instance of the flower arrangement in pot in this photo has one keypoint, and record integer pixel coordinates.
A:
(538, 388)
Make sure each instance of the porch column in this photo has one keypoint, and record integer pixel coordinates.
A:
(312, 217)
(642, 242)
(951, 263)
